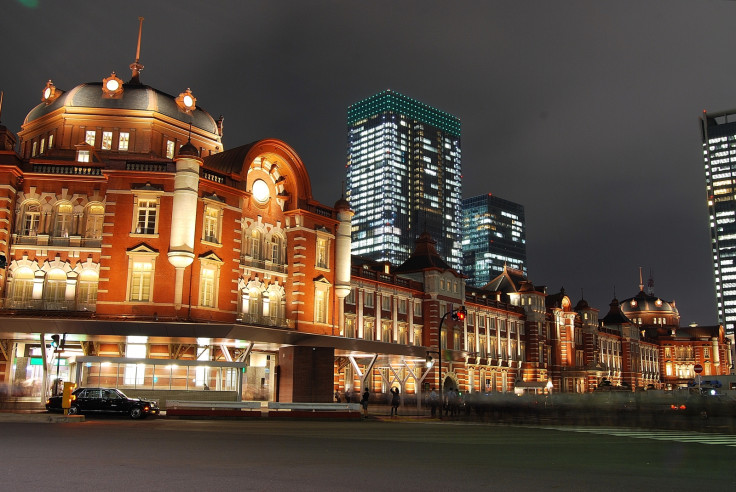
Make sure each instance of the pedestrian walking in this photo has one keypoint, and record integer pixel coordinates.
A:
(434, 402)
(337, 397)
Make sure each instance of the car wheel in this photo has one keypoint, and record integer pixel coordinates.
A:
(73, 410)
(136, 413)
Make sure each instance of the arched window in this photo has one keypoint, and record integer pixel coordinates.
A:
(55, 289)
(22, 287)
(63, 220)
(31, 219)
(277, 250)
(87, 290)
(95, 215)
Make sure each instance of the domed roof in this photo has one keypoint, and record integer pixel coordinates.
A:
(644, 302)
(188, 150)
(134, 97)
(342, 204)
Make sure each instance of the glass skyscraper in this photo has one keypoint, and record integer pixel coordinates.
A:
(494, 235)
(718, 131)
(403, 178)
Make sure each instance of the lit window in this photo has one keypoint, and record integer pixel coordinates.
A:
(123, 141)
(169, 149)
(83, 156)
(51, 141)
(322, 252)
(22, 286)
(43, 143)
(211, 226)
(106, 140)
(95, 217)
(320, 305)
(207, 287)
(62, 220)
(55, 289)
(33, 152)
(87, 290)
(89, 137)
(146, 213)
(31, 219)
(141, 279)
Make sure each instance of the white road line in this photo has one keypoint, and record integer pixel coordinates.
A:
(657, 435)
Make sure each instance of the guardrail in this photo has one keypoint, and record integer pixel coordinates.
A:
(315, 407)
(214, 404)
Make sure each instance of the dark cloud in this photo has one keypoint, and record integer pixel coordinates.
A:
(585, 112)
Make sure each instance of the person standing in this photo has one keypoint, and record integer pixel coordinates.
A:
(364, 401)
(395, 401)
(433, 402)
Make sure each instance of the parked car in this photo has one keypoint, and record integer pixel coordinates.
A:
(104, 401)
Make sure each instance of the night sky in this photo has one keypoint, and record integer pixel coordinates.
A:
(586, 112)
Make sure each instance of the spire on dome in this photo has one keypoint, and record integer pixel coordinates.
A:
(136, 67)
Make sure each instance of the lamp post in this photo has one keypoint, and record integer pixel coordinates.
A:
(457, 315)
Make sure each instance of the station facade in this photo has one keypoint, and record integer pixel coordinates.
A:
(136, 252)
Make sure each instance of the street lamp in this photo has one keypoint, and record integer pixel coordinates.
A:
(458, 314)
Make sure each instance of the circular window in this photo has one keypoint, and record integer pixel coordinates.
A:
(47, 93)
(112, 85)
(189, 102)
(261, 191)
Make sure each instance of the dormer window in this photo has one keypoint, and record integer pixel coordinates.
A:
(83, 156)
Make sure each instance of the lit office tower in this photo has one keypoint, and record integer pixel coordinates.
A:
(719, 154)
(494, 235)
(403, 178)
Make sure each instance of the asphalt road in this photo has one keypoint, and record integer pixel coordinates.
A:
(160, 454)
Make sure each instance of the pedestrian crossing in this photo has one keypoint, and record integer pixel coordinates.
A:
(655, 434)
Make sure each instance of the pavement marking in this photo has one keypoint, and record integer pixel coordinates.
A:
(654, 434)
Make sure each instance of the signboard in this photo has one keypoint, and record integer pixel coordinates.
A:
(38, 361)
(698, 368)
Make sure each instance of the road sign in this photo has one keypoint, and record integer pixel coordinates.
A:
(698, 368)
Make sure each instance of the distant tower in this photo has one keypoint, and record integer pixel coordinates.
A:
(494, 236)
(403, 178)
(718, 131)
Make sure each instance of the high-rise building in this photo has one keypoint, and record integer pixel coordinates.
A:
(403, 178)
(494, 236)
(718, 131)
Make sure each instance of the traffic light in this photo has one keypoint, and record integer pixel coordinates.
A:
(55, 341)
(459, 314)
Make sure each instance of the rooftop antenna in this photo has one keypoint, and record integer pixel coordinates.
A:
(641, 282)
(136, 67)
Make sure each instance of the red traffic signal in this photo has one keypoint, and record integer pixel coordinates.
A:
(459, 314)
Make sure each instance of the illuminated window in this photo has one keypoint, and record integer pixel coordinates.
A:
(62, 219)
(87, 283)
(322, 257)
(51, 141)
(89, 137)
(83, 156)
(123, 141)
(368, 329)
(55, 289)
(146, 214)
(211, 227)
(22, 286)
(349, 329)
(207, 287)
(33, 152)
(277, 250)
(43, 144)
(106, 140)
(95, 216)
(253, 244)
(169, 149)
(320, 303)
(31, 219)
(135, 373)
(417, 335)
(141, 281)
